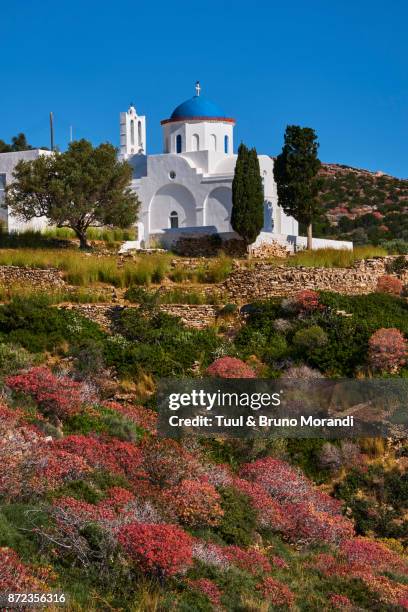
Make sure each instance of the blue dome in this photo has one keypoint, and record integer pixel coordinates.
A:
(198, 106)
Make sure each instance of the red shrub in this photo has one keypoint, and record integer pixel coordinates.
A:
(209, 589)
(278, 478)
(388, 592)
(113, 455)
(307, 300)
(389, 284)
(56, 396)
(49, 468)
(277, 593)
(387, 350)
(15, 576)
(158, 550)
(279, 562)
(303, 512)
(340, 602)
(166, 462)
(250, 560)
(369, 553)
(118, 498)
(270, 512)
(313, 526)
(83, 512)
(194, 503)
(230, 367)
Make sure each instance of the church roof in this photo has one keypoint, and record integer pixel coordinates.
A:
(198, 107)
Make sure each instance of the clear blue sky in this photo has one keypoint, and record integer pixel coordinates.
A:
(338, 66)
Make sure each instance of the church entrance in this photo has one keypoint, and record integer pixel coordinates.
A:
(172, 206)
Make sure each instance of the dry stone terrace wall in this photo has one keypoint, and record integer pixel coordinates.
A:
(266, 280)
(195, 316)
(42, 279)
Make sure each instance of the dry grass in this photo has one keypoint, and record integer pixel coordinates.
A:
(84, 269)
(334, 258)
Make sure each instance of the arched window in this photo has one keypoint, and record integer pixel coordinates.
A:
(178, 144)
(139, 133)
(196, 142)
(226, 143)
(132, 132)
(174, 220)
(213, 142)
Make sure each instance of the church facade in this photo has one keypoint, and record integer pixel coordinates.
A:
(187, 189)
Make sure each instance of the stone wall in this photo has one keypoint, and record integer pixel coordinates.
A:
(42, 279)
(194, 316)
(266, 280)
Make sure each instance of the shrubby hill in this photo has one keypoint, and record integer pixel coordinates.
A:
(364, 206)
(95, 504)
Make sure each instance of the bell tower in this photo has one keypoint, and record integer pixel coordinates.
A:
(132, 133)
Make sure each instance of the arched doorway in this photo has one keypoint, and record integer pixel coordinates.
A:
(169, 202)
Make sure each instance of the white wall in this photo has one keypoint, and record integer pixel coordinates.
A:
(205, 130)
(218, 207)
(172, 198)
(8, 162)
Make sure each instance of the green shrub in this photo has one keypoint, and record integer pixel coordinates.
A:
(39, 327)
(158, 344)
(89, 359)
(139, 295)
(396, 247)
(228, 310)
(310, 338)
(239, 521)
(371, 311)
(277, 348)
(14, 358)
(398, 265)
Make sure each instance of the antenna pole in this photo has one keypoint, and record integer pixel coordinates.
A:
(52, 130)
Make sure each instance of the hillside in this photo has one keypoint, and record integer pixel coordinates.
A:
(95, 504)
(365, 206)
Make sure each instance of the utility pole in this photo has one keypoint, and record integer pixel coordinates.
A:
(52, 130)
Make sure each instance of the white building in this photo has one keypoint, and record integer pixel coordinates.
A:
(8, 162)
(187, 189)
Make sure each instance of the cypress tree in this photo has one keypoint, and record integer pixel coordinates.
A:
(296, 175)
(247, 215)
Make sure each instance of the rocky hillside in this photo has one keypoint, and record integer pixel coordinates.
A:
(367, 206)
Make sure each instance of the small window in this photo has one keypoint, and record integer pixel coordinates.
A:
(226, 144)
(172, 175)
(196, 142)
(139, 133)
(178, 144)
(174, 220)
(132, 132)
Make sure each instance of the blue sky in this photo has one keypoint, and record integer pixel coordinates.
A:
(340, 67)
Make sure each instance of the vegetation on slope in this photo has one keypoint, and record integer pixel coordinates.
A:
(95, 504)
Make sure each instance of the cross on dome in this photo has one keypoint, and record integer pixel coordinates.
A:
(197, 88)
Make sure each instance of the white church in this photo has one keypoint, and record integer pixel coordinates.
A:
(187, 189)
